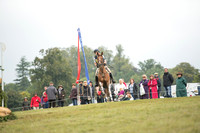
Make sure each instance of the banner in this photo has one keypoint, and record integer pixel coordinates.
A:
(86, 70)
(79, 64)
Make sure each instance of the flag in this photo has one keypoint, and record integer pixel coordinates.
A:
(86, 70)
(79, 64)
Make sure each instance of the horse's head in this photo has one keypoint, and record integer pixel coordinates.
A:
(100, 59)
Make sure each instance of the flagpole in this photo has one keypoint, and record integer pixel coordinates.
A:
(78, 75)
(86, 69)
(3, 47)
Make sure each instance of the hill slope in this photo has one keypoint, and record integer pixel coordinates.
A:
(158, 116)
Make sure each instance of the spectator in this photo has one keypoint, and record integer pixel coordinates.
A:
(92, 92)
(198, 90)
(144, 82)
(158, 83)
(124, 84)
(181, 86)
(73, 94)
(128, 96)
(35, 101)
(167, 82)
(61, 96)
(112, 89)
(100, 98)
(81, 92)
(25, 105)
(121, 94)
(45, 98)
(42, 102)
(121, 85)
(86, 93)
(51, 93)
(152, 84)
(133, 89)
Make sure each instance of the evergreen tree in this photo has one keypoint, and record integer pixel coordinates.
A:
(23, 74)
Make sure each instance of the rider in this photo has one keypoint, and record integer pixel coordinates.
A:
(96, 52)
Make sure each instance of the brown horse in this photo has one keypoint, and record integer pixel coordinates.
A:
(103, 76)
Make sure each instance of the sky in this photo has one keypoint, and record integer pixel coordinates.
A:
(167, 31)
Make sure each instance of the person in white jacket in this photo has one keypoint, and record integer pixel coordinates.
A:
(120, 85)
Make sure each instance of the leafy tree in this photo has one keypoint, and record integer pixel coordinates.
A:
(71, 55)
(23, 74)
(108, 54)
(25, 94)
(14, 100)
(149, 67)
(53, 66)
(122, 67)
(10, 86)
(190, 73)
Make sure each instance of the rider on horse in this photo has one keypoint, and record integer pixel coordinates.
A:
(96, 52)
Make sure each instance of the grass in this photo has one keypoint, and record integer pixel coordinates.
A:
(175, 115)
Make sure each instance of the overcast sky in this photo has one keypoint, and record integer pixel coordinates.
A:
(167, 31)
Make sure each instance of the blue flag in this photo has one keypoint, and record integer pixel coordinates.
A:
(86, 70)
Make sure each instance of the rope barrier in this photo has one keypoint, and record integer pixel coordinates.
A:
(79, 97)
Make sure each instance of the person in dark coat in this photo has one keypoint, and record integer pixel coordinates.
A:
(73, 94)
(181, 86)
(112, 89)
(144, 82)
(81, 92)
(86, 93)
(198, 90)
(92, 92)
(133, 89)
(25, 105)
(51, 93)
(167, 82)
(61, 96)
(158, 83)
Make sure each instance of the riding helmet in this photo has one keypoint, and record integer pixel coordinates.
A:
(96, 50)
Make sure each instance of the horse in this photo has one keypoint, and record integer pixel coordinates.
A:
(103, 76)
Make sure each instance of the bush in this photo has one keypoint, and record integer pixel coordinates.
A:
(12, 116)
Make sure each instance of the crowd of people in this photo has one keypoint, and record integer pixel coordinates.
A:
(85, 93)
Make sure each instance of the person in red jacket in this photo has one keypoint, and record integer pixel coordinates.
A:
(152, 84)
(35, 101)
(45, 98)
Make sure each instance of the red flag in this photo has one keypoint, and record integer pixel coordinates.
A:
(79, 64)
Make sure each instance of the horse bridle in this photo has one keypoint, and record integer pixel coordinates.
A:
(100, 64)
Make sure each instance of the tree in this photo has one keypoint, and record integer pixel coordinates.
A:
(53, 66)
(190, 73)
(149, 67)
(108, 54)
(122, 68)
(23, 74)
(71, 55)
(14, 100)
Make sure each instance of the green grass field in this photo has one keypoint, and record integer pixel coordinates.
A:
(175, 115)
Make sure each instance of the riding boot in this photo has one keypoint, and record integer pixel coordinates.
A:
(96, 81)
(112, 79)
